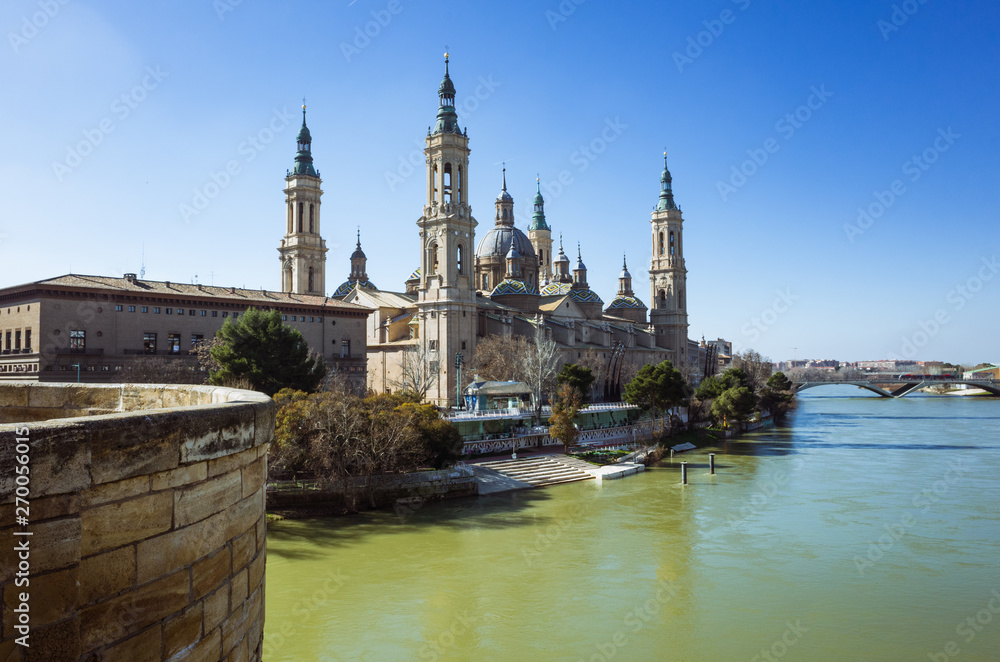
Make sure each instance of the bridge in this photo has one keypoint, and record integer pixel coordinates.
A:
(897, 386)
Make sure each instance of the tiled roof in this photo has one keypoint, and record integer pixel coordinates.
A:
(621, 301)
(346, 287)
(168, 288)
(509, 286)
(585, 296)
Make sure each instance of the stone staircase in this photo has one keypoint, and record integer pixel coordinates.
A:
(544, 470)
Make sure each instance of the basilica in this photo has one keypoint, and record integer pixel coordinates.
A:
(509, 283)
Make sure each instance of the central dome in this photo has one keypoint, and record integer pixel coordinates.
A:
(498, 241)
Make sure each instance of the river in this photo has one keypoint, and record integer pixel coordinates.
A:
(863, 529)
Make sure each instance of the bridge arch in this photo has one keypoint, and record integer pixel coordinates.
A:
(992, 386)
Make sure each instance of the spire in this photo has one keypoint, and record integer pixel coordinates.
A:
(625, 280)
(538, 218)
(579, 271)
(359, 263)
(447, 118)
(303, 157)
(505, 203)
(505, 177)
(666, 191)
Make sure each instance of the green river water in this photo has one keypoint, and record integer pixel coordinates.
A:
(865, 529)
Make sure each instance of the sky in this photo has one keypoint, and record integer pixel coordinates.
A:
(838, 164)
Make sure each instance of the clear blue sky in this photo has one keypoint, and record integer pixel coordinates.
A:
(556, 75)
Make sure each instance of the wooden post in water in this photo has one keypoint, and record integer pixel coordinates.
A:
(684, 473)
(711, 463)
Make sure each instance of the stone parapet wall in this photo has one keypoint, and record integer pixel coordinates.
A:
(147, 521)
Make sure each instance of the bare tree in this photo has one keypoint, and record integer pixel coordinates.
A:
(757, 368)
(497, 358)
(598, 364)
(539, 365)
(418, 371)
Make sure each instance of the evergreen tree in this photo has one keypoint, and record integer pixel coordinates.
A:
(261, 349)
(657, 388)
(579, 377)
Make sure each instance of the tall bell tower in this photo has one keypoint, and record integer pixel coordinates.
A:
(667, 273)
(540, 235)
(446, 301)
(303, 251)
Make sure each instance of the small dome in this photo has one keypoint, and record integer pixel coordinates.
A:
(562, 256)
(347, 287)
(447, 87)
(512, 254)
(505, 196)
(415, 275)
(625, 274)
(499, 240)
(580, 266)
(556, 289)
(585, 296)
(622, 301)
(358, 253)
(304, 135)
(511, 286)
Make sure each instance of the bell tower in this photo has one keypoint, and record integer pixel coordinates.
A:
(303, 251)
(446, 295)
(540, 235)
(667, 273)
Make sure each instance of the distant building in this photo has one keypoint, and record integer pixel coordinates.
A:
(52, 329)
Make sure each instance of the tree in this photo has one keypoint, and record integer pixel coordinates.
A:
(441, 441)
(710, 388)
(657, 388)
(496, 358)
(776, 396)
(418, 372)
(733, 378)
(538, 363)
(737, 404)
(779, 382)
(271, 355)
(565, 406)
(578, 377)
(757, 368)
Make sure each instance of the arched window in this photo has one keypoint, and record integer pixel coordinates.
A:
(461, 186)
(300, 218)
(446, 183)
(311, 280)
(663, 299)
(541, 257)
(486, 281)
(291, 215)
(312, 218)
(671, 242)
(458, 259)
(434, 258)
(661, 244)
(680, 300)
(434, 183)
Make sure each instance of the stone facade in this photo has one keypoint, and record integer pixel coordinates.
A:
(101, 322)
(147, 521)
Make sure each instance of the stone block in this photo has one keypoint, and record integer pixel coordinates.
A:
(264, 422)
(211, 573)
(183, 631)
(216, 608)
(15, 395)
(59, 459)
(232, 629)
(126, 445)
(55, 544)
(45, 508)
(45, 396)
(232, 462)
(52, 598)
(220, 431)
(206, 650)
(55, 643)
(134, 611)
(106, 574)
(244, 549)
(177, 549)
(122, 489)
(93, 396)
(143, 647)
(254, 475)
(239, 653)
(257, 569)
(198, 502)
(238, 588)
(117, 524)
(185, 475)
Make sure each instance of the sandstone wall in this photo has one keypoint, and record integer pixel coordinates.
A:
(147, 523)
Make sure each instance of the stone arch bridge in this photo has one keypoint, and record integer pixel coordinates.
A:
(897, 387)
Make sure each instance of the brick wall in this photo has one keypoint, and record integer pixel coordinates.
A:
(147, 523)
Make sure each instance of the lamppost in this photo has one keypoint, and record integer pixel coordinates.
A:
(458, 381)
(77, 366)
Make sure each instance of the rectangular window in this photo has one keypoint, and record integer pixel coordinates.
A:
(203, 313)
(463, 344)
(27, 339)
(294, 318)
(156, 310)
(311, 319)
(235, 315)
(118, 308)
(432, 344)
(225, 314)
(62, 368)
(215, 313)
(173, 343)
(196, 339)
(149, 342)
(131, 309)
(145, 309)
(191, 313)
(105, 368)
(170, 311)
(345, 348)
(284, 318)
(8, 345)
(17, 339)
(77, 341)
